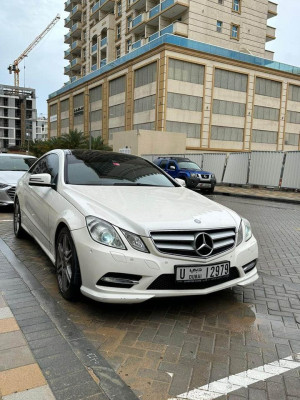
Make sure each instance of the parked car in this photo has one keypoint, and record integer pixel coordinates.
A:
(12, 167)
(121, 230)
(189, 171)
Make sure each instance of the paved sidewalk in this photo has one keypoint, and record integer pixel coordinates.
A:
(259, 193)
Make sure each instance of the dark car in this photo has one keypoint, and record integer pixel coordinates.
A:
(189, 171)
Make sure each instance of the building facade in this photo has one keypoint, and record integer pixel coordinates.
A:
(17, 115)
(40, 128)
(223, 92)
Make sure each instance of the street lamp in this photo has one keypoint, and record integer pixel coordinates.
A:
(28, 139)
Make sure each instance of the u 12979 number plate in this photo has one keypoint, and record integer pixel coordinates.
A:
(193, 273)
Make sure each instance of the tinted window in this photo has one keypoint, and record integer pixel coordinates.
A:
(47, 165)
(163, 164)
(13, 163)
(188, 165)
(172, 164)
(96, 168)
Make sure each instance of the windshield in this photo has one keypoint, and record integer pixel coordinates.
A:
(13, 163)
(188, 165)
(96, 168)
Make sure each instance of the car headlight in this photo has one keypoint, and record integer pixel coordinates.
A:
(135, 241)
(244, 231)
(212, 176)
(104, 233)
(194, 175)
(3, 185)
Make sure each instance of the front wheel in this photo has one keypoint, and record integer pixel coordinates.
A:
(18, 230)
(67, 266)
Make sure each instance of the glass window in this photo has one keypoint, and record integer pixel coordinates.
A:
(260, 136)
(64, 105)
(118, 51)
(117, 111)
(231, 80)
(16, 163)
(129, 19)
(236, 5)
(266, 87)
(235, 32)
(292, 139)
(119, 8)
(128, 45)
(78, 100)
(144, 104)
(186, 71)
(117, 86)
(53, 109)
(294, 93)
(150, 126)
(96, 115)
(219, 26)
(268, 113)
(191, 130)
(95, 94)
(85, 167)
(118, 31)
(293, 117)
(145, 75)
(227, 133)
(184, 102)
(47, 165)
(229, 108)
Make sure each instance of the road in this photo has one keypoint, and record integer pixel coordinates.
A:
(165, 348)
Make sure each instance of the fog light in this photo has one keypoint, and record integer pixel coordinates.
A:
(119, 280)
(250, 266)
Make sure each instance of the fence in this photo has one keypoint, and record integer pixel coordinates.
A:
(263, 168)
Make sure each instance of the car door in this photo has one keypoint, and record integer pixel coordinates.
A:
(172, 168)
(38, 199)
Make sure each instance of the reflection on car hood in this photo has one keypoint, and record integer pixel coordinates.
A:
(11, 177)
(143, 209)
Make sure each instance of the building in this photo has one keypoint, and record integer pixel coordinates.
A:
(194, 67)
(17, 115)
(40, 128)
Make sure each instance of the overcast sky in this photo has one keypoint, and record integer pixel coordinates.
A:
(22, 20)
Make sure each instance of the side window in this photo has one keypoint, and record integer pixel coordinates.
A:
(163, 164)
(47, 165)
(172, 164)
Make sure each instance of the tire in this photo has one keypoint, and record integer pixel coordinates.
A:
(18, 230)
(67, 266)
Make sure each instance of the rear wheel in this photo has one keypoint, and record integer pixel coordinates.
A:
(18, 230)
(67, 266)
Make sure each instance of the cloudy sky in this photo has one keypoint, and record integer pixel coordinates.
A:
(22, 20)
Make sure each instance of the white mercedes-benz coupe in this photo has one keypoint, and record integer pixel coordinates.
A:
(121, 230)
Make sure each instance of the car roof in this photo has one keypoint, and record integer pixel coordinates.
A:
(174, 158)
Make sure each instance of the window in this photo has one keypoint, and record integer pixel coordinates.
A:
(231, 80)
(64, 123)
(129, 19)
(95, 94)
(219, 26)
(184, 102)
(291, 139)
(47, 165)
(78, 119)
(96, 116)
(119, 8)
(235, 32)
(236, 6)
(78, 100)
(117, 110)
(259, 136)
(266, 87)
(53, 109)
(144, 104)
(186, 71)
(118, 32)
(293, 117)
(150, 126)
(229, 108)
(118, 51)
(271, 114)
(117, 86)
(64, 105)
(145, 75)
(191, 130)
(128, 45)
(221, 1)
(294, 93)
(227, 133)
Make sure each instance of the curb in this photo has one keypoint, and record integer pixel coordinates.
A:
(255, 197)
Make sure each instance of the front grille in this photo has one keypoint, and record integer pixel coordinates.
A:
(168, 282)
(205, 176)
(183, 242)
(11, 192)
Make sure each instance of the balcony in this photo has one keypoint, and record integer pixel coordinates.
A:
(103, 42)
(271, 33)
(153, 36)
(68, 38)
(68, 22)
(94, 67)
(180, 29)
(76, 47)
(68, 5)
(138, 23)
(103, 62)
(68, 54)
(269, 55)
(76, 12)
(107, 5)
(137, 4)
(154, 11)
(67, 69)
(272, 9)
(94, 9)
(94, 48)
(75, 64)
(76, 30)
(138, 44)
(173, 8)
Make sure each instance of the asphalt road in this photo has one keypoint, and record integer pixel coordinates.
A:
(164, 348)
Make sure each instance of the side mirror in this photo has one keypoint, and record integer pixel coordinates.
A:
(181, 182)
(172, 168)
(43, 180)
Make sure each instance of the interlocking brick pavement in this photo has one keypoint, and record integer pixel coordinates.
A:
(165, 347)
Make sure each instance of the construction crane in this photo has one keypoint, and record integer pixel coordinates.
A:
(14, 68)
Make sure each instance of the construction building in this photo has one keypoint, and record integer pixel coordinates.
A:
(196, 67)
(17, 115)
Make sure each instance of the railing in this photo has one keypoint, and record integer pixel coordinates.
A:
(94, 67)
(167, 29)
(67, 36)
(95, 8)
(154, 11)
(67, 68)
(137, 20)
(74, 44)
(74, 27)
(73, 78)
(103, 62)
(67, 20)
(103, 42)
(154, 36)
(67, 52)
(74, 62)
(94, 47)
(67, 3)
(136, 44)
(165, 4)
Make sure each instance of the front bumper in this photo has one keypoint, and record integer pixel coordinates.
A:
(199, 183)
(7, 195)
(97, 260)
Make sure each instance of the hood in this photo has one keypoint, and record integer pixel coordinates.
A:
(11, 177)
(143, 209)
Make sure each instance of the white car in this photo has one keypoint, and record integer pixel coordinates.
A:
(12, 168)
(120, 230)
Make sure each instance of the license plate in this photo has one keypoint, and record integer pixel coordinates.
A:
(204, 185)
(194, 273)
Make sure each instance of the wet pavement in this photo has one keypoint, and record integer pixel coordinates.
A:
(163, 348)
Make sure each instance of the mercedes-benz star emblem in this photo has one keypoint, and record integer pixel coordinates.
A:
(204, 244)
